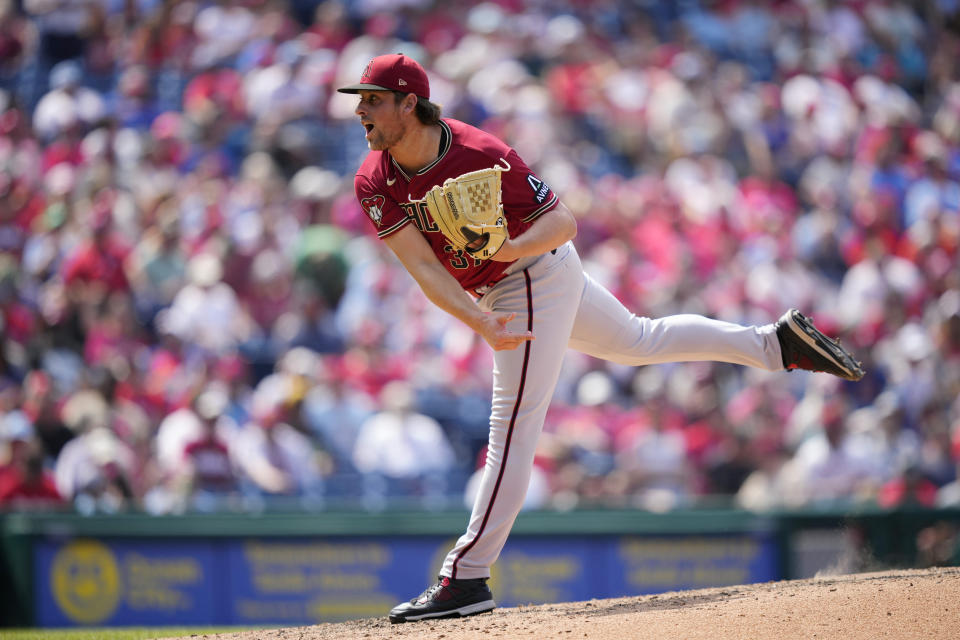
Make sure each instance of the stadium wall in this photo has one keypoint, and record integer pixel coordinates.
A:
(63, 570)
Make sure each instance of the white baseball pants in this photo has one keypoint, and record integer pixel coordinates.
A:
(564, 307)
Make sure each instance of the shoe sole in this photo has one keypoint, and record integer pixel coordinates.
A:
(462, 612)
(823, 345)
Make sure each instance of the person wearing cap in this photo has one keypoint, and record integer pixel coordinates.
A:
(24, 482)
(532, 300)
(207, 478)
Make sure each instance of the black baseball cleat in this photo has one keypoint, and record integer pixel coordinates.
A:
(804, 347)
(447, 599)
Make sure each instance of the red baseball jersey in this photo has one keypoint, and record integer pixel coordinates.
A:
(392, 198)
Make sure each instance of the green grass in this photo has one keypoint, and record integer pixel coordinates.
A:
(121, 633)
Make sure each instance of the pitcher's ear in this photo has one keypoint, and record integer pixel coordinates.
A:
(410, 102)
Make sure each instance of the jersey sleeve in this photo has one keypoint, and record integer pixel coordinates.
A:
(382, 210)
(525, 195)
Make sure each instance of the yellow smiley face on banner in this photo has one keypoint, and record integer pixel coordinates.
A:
(86, 581)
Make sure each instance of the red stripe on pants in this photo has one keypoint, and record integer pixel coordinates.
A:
(513, 420)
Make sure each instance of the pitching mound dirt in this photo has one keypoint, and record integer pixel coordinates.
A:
(898, 605)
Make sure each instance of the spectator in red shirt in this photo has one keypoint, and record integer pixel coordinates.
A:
(207, 475)
(96, 266)
(909, 489)
(24, 483)
(19, 207)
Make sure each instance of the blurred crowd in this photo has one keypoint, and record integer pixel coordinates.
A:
(196, 316)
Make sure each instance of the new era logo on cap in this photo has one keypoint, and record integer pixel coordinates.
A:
(394, 72)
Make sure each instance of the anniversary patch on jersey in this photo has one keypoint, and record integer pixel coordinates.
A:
(540, 189)
(374, 207)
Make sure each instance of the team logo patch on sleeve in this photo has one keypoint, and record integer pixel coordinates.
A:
(540, 189)
(374, 207)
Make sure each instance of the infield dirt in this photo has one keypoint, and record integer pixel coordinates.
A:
(894, 605)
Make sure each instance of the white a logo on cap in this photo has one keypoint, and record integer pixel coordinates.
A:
(402, 82)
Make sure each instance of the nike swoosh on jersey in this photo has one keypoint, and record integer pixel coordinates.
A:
(390, 181)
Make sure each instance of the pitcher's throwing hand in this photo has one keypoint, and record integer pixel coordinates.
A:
(495, 332)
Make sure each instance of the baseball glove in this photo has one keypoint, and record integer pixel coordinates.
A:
(469, 212)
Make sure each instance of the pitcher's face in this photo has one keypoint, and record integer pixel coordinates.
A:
(380, 115)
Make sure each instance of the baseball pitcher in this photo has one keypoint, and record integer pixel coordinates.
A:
(489, 242)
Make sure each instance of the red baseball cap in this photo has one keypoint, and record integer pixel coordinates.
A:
(392, 72)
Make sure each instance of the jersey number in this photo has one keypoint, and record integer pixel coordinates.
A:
(417, 211)
(459, 259)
